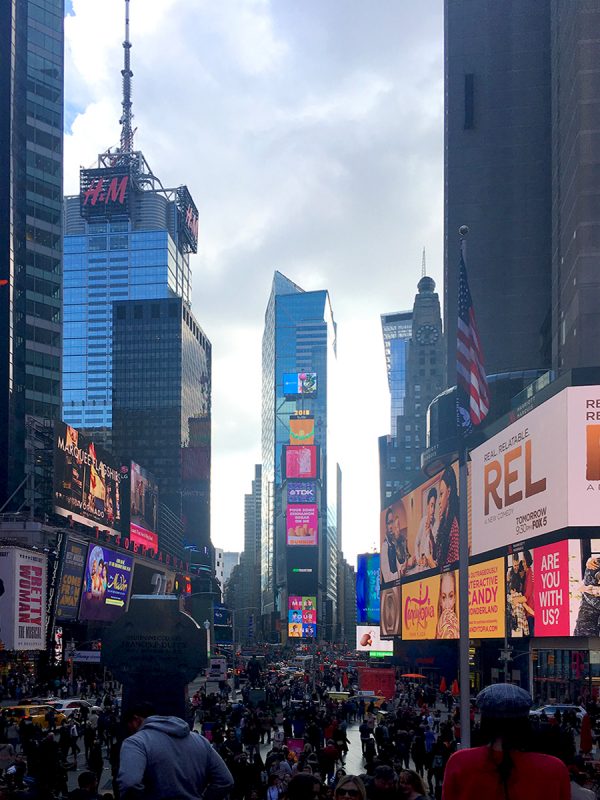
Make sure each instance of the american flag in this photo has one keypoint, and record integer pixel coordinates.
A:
(473, 402)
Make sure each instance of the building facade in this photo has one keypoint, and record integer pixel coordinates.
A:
(421, 370)
(31, 168)
(134, 249)
(397, 331)
(162, 404)
(299, 544)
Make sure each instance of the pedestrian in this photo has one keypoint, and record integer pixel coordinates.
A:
(87, 787)
(411, 786)
(95, 760)
(350, 786)
(503, 768)
(162, 758)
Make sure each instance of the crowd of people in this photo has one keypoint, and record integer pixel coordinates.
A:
(284, 736)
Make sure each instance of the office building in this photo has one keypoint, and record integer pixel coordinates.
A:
(418, 378)
(252, 519)
(126, 238)
(521, 166)
(31, 167)
(397, 331)
(162, 405)
(299, 547)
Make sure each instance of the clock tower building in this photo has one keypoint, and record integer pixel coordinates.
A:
(400, 455)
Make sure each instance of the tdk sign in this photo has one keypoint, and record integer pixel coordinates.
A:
(305, 492)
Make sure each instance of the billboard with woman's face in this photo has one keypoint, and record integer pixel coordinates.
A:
(106, 586)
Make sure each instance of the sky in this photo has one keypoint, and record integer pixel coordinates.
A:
(310, 135)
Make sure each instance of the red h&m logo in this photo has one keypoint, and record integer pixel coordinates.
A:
(191, 221)
(114, 192)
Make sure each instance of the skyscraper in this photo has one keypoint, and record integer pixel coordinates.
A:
(126, 238)
(252, 519)
(419, 376)
(299, 548)
(498, 176)
(162, 405)
(397, 330)
(31, 157)
(521, 168)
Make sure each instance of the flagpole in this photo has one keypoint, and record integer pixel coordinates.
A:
(463, 575)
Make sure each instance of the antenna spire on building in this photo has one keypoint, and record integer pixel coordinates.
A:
(127, 117)
(423, 265)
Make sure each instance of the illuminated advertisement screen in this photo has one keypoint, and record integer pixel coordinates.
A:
(368, 639)
(420, 532)
(367, 589)
(302, 430)
(69, 589)
(302, 617)
(301, 492)
(144, 508)
(487, 600)
(301, 461)
(86, 481)
(554, 590)
(302, 524)
(107, 581)
(300, 383)
(430, 608)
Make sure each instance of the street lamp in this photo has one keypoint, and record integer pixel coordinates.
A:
(207, 629)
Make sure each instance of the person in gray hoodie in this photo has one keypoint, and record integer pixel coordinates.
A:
(164, 759)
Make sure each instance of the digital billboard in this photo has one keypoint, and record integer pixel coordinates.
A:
(301, 461)
(70, 582)
(302, 524)
(23, 578)
(143, 524)
(487, 600)
(420, 531)
(86, 481)
(302, 430)
(540, 474)
(302, 617)
(301, 492)
(296, 384)
(554, 590)
(368, 639)
(302, 570)
(367, 589)
(430, 608)
(188, 219)
(391, 611)
(107, 583)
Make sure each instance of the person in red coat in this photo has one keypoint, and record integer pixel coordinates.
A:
(502, 769)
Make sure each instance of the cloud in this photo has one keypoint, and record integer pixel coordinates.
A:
(311, 137)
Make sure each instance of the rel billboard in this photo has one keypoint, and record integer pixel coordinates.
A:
(144, 508)
(296, 384)
(302, 524)
(23, 576)
(106, 585)
(367, 589)
(301, 461)
(86, 481)
(540, 474)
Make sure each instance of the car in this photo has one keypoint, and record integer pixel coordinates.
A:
(550, 710)
(69, 704)
(36, 713)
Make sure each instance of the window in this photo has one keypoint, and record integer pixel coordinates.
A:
(469, 101)
(138, 312)
(121, 312)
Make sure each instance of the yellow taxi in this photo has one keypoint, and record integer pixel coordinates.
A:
(35, 712)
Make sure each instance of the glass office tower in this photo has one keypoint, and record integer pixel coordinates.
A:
(31, 158)
(397, 332)
(137, 249)
(299, 339)
(162, 405)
